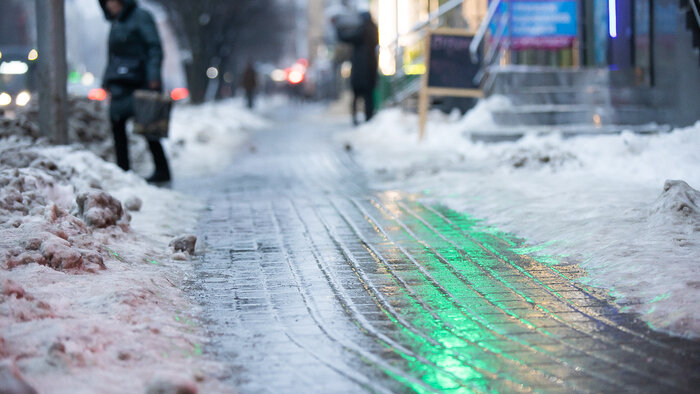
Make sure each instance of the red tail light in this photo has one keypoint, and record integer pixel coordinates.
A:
(178, 94)
(97, 94)
(295, 77)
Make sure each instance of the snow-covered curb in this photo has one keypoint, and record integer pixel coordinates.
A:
(103, 310)
(120, 329)
(599, 201)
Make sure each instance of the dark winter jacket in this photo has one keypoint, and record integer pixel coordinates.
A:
(364, 53)
(135, 56)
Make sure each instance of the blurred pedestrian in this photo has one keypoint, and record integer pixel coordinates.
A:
(363, 78)
(249, 81)
(135, 58)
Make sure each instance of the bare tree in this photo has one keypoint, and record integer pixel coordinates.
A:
(224, 34)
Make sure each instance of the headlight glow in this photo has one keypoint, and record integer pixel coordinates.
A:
(14, 67)
(5, 99)
(23, 98)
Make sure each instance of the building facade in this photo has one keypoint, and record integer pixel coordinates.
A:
(650, 48)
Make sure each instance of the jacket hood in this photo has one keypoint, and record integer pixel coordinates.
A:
(365, 16)
(129, 5)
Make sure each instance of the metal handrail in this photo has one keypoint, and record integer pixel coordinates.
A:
(492, 55)
(420, 27)
(695, 11)
(498, 39)
(481, 32)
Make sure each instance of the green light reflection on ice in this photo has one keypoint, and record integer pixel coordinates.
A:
(450, 372)
(491, 236)
(661, 297)
(434, 303)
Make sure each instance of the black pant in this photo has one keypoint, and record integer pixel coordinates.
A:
(121, 146)
(121, 143)
(368, 99)
(250, 97)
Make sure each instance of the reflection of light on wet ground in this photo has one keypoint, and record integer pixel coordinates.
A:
(474, 306)
(597, 122)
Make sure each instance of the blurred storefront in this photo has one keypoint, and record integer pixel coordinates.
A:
(640, 44)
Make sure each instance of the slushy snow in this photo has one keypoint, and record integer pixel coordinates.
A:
(94, 261)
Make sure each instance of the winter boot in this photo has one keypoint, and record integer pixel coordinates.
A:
(162, 172)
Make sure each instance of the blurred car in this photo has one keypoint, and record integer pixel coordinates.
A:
(18, 75)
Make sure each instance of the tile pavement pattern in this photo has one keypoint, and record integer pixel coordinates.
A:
(312, 282)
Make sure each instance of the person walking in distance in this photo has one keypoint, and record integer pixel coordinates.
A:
(363, 77)
(249, 81)
(135, 58)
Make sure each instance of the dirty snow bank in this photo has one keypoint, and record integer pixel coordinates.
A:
(88, 127)
(90, 297)
(600, 201)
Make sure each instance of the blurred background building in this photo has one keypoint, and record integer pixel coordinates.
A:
(587, 62)
(591, 62)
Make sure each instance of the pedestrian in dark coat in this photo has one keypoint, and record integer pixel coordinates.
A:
(135, 58)
(249, 81)
(363, 77)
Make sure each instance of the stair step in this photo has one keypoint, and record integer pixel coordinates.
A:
(571, 97)
(590, 95)
(507, 79)
(551, 115)
(501, 134)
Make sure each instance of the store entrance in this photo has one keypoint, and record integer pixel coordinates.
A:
(618, 34)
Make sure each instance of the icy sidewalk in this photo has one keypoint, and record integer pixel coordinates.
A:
(312, 280)
(600, 201)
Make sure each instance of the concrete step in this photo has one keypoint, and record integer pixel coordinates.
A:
(512, 79)
(514, 133)
(589, 95)
(550, 115)
(545, 96)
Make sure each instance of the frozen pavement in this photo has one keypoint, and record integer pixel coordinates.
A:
(310, 281)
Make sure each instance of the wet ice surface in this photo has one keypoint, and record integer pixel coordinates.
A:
(594, 200)
(90, 290)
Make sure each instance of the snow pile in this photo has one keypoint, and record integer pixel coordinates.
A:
(99, 209)
(203, 139)
(598, 201)
(479, 118)
(90, 295)
(536, 152)
(396, 132)
(681, 202)
(88, 128)
(36, 225)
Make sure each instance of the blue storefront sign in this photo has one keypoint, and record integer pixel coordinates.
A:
(537, 23)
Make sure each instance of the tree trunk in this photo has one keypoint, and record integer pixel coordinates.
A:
(196, 73)
(53, 96)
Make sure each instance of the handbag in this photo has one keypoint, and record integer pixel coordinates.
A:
(126, 71)
(151, 114)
